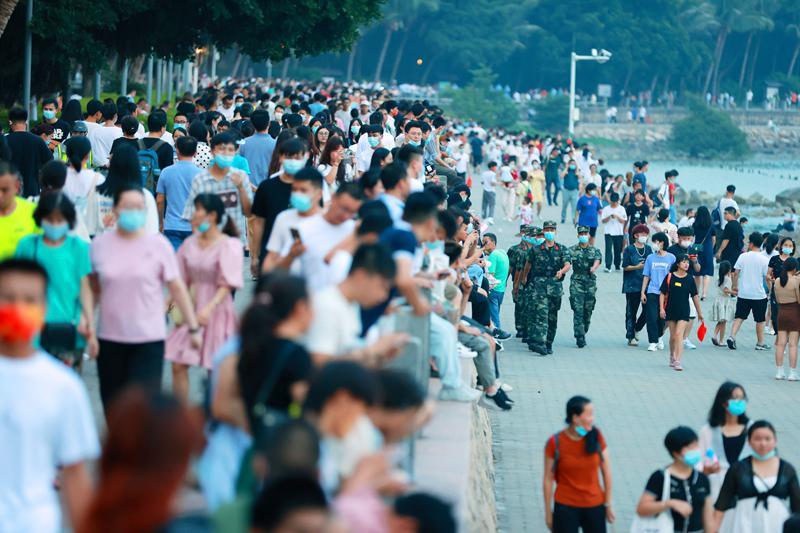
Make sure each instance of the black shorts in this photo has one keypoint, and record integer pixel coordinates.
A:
(592, 231)
(758, 307)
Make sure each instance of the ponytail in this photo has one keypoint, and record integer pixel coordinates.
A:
(77, 150)
(724, 270)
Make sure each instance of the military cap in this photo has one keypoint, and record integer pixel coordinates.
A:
(583, 229)
(549, 224)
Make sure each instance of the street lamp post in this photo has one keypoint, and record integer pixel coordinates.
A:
(26, 77)
(601, 57)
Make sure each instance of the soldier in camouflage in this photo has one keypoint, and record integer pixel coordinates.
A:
(522, 288)
(585, 260)
(549, 262)
(515, 253)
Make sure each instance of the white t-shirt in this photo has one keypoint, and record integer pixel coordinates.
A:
(723, 204)
(102, 138)
(613, 226)
(489, 180)
(752, 267)
(319, 237)
(663, 191)
(336, 328)
(79, 184)
(45, 422)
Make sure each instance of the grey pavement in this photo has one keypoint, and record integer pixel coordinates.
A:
(637, 397)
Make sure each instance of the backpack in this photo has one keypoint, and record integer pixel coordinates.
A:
(148, 164)
(716, 217)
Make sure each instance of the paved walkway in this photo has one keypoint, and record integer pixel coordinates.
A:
(637, 398)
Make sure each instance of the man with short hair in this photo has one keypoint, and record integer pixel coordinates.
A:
(614, 219)
(394, 178)
(732, 241)
(727, 201)
(258, 148)
(103, 138)
(46, 428)
(94, 115)
(156, 128)
(415, 165)
(172, 193)
(28, 152)
(489, 182)
(749, 280)
(16, 213)
(498, 270)
(61, 127)
(587, 210)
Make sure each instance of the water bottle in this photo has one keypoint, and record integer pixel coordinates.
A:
(711, 457)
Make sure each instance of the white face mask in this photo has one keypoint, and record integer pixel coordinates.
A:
(642, 239)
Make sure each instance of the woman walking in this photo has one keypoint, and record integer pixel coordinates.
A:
(786, 291)
(724, 307)
(757, 488)
(131, 331)
(775, 266)
(703, 247)
(676, 291)
(573, 459)
(679, 488)
(656, 268)
(210, 263)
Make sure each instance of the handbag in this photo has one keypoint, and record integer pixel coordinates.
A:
(57, 338)
(660, 523)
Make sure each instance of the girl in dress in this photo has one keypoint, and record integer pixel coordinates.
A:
(724, 306)
(786, 291)
(758, 487)
(676, 291)
(210, 262)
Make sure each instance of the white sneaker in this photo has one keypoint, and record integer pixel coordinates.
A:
(770, 331)
(780, 374)
(688, 344)
(633, 342)
(459, 394)
(793, 375)
(506, 387)
(652, 347)
(489, 220)
(465, 352)
(660, 344)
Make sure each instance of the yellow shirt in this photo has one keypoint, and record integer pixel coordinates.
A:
(16, 226)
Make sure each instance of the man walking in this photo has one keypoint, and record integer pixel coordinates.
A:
(587, 211)
(489, 180)
(585, 260)
(633, 261)
(614, 218)
(750, 274)
(552, 176)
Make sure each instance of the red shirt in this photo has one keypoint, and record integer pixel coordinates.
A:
(577, 472)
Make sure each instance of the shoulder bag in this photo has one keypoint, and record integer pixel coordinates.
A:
(660, 523)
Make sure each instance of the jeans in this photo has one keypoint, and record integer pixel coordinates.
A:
(555, 184)
(673, 214)
(613, 250)
(495, 302)
(655, 324)
(176, 237)
(569, 198)
(121, 364)
(568, 519)
(445, 352)
(484, 364)
(634, 324)
(487, 205)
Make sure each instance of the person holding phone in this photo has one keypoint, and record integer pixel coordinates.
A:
(685, 246)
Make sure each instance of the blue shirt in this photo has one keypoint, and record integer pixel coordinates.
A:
(639, 176)
(588, 208)
(656, 267)
(316, 107)
(395, 206)
(175, 183)
(257, 149)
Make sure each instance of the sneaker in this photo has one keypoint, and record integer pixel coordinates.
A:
(660, 344)
(677, 366)
(633, 342)
(500, 334)
(715, 342)
(506, 387)
(458, 394)
(771, 331)
(502, 396)
(636, 336)
(489, 220)
(465, 352)
(671, 361)
(688, 345)
(780, 374)
(793, 375)
(498, 346)
(731, 342)
(652, 347)
(497, 402)
(762, 347)
(606, 270)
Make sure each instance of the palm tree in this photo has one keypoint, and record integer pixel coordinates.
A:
(6, 9)
(794, 31)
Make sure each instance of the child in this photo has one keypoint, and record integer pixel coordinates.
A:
(724, 304)
(525, 213)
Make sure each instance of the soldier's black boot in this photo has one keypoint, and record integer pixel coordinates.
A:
(537, 349)
(581, 342)
(519, 333)
(549, 348)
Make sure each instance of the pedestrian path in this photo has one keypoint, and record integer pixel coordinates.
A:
(637, 397)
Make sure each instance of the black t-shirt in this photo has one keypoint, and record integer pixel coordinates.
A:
(254, 373)
(637, 214)
(61, 130)
(28, 153)
(679, 291)
(776, 264)
(272, 197)
(122, 141)
(698, 489)
(733, 234)
(733, 446)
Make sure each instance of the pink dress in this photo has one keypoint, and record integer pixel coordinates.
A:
(204, 270)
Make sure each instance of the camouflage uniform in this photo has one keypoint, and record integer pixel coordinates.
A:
(545, 298)
(524, 295)
(516, 255)
(582, 287)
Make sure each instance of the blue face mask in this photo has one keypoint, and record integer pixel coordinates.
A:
(414, 143)
(223, 161)
(435, 246)
(766, 456)
(470, 228)
(55, 232)
(787, 251)
(293, 166)
(581, 431)
(737, 407)
(314, 129)
(204, 226)
(300, 201)
(583, 239)
(538, 241)
(131, 220)
(355, 129)
(692, 457)
(549, 235)
(48, 115)
(373, 141)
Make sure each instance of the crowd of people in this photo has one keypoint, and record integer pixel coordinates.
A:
(130, 231)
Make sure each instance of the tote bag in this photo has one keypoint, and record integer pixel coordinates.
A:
(660, 523)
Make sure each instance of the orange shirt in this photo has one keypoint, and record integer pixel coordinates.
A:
(577, 472)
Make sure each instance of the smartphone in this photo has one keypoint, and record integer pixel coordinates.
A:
(295, 234)
(428, 170)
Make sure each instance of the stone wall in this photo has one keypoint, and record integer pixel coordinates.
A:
(480, 491)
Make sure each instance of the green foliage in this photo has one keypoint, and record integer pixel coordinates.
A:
(479, 102)
(708, 134)
(552, 114)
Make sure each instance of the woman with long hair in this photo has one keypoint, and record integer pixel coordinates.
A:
(573, 459)
(275, 162)
(354, 131)
(72, 111)
(676, 291)
(380, 158)
(202, 157)
(210, 262)
(704, 241)
(81, 181)
(146, 457)
(786, 290)
(785, 250)
(332, 167)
